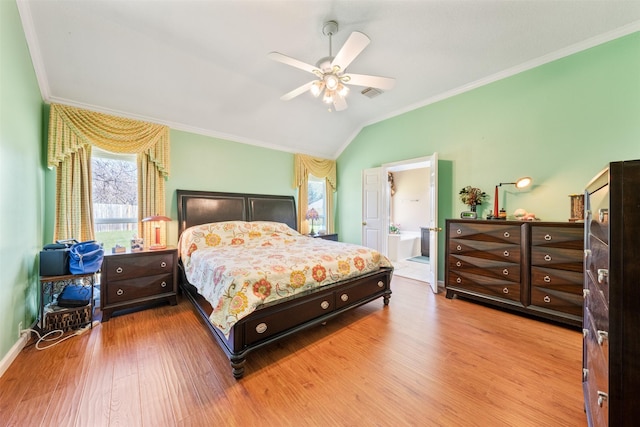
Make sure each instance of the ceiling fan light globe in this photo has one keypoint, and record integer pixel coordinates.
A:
(316, 88)
(328, 96)
(331, 81)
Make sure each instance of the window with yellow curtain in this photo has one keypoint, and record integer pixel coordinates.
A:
(309, 174)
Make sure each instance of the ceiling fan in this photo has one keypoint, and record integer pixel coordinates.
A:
(332, 77)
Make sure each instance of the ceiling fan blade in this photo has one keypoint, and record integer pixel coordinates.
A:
(339, 103)
(276, 56)
(385, 83)
(355, 44)
(297, 91)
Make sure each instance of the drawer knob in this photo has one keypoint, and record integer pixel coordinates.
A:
(261, 328)
(547, 279)
(324, 305)
(119, 292)
(458, 280)
(163, 264)
(506, 234)
(603, 215)
(602, 336)
(547, 299)
(506, 253)
(585, 332)
(585, 293)
(163, 284)
(458, 231)
(505, 290)
(602, 396)
(119, 270)
(547, 257)
(344, 297)
(505, 272)
(459, 247)
(458, 264)
(585, 374)
(547, 237)
(603, 276)
(380, 284)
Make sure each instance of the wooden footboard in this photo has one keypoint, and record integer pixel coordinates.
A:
(273, 322)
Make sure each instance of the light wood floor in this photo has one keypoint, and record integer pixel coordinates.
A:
(423, 360)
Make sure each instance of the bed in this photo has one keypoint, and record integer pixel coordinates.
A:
(202, 215)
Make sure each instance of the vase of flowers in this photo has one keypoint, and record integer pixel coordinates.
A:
(472, 197)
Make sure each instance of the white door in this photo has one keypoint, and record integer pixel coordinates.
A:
(433, 224)
(372, 209)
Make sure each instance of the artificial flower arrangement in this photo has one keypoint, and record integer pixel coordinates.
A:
(472, 196)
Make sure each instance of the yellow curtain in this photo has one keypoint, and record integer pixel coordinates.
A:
(73, 131)
(320, 168)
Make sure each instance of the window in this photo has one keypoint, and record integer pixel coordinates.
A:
(317, 196)
(115, 197)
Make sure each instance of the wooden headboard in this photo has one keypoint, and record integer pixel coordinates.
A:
(202, 207)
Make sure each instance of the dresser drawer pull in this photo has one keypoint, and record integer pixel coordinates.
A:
(602, 213)
(119, 292)
(261, 328)
(324, 305)
(506, 253)
(603, 276)
(163, 264)
(602, 396)
(380, 284)
(344, 297)
(547, 279)
(459, 247)
(506, 234)
(163, 284)
(585, 293)
(585, 332)
(547, 299)
(585, 374)
(458, 231)
(119, 270)
(458, 264)
(505, 272)
(547, 237)
(458, 280)
(505, 290)
(547, 257)
(602, 335)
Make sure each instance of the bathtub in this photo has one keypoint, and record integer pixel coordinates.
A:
(404, 245)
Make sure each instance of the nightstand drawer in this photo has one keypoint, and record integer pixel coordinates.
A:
(128, 266)
(141, 287)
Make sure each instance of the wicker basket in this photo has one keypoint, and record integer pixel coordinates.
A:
(65, 318)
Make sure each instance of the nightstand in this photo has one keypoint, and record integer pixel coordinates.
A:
(138, 278)
(333, 237)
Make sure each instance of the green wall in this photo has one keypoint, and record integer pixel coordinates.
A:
(21, 179)
(559, 123)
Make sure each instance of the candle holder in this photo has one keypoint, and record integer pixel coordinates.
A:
(159, 229)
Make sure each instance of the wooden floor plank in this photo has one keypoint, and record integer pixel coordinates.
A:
(422, 360)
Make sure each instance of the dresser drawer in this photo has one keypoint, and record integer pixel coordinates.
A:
(564, 300)
(596, 378)
(558, 237)
(597, 265)
(141, 287)
(484, 267)
(486, 286)
(485, 250)
(562, 259)
(119, 267)
(498, 233)
(263, 327)
(358, 292)
(551, 277)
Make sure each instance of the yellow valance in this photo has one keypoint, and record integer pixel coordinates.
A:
(71, 128)
(320, 168)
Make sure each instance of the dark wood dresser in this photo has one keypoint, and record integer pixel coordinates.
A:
(528, 267)
(611, 330)
(138, 278)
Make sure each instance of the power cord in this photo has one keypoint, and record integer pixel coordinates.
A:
(55, 340)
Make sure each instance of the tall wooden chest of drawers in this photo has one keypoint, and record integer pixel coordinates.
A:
(138, 278)
(611, 330)
(530, 267)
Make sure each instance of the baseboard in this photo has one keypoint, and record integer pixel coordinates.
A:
(13, 353)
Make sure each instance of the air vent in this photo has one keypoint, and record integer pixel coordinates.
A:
(371, 92)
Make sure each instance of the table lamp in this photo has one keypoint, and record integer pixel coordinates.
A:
(312, 214)
(520, 183)
(158, 222)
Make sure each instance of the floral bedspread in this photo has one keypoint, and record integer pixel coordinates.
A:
(237, 266)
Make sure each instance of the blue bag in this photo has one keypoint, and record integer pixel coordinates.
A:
(85, 257)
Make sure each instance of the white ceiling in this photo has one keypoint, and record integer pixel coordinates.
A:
(202, 66)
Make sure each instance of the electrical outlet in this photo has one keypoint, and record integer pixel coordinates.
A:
(19, 329)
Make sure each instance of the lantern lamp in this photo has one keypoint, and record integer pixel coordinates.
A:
(159, 229)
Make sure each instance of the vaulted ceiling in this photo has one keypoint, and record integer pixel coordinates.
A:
(202, 66)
